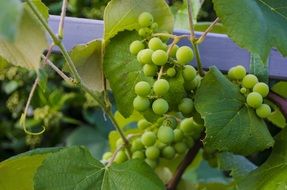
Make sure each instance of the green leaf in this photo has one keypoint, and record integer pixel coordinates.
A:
(10, 17)
(29, 43)
(122, 122)
(202, 26)
(273, 173)
(75, 168)
(259, 67)
(43, 76)
(123, 71)
(23, 168)
(262, 26)
(231, 125)
(280, 88)
(238, 165)
(277, 118)
(122, 15)
(88, 61)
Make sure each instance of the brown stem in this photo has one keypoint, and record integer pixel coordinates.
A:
(189, 157)
(280, 101)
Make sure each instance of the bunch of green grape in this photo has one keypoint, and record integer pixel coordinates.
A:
(254, 90)
(165, 139)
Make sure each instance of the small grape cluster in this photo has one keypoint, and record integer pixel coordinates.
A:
(254, 90)
(161, 61)
(165, 139)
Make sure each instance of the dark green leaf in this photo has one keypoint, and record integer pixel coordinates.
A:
(259, 67)
(43, 76)
(280, 88)
(276, 117)
(262, 26)
(75, 168)
(230, 125)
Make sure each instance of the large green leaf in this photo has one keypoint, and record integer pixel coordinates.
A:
(88, 61)
(122, 15)
(230, 124)
(123, 71)
(29, 43)
(19, 171)
(10, 16)
(75, 168)
(263, 24)
(273, 173)
(280, 88)
(259, 67)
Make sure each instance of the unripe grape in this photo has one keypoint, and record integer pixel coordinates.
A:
(249, 81)
(189, 73)
(144, 56)
(171, 72)
(168, 152)
(161, 87)
(185, 106)
(165, 134)
(243, 90)
(239, 72)
(148, 138)
(145, 19)
(142, 88)
(178, 135)
(173, 51)
(263, 111)
(186, 125)
(261, 88)
(155, 44)
(107, 156)
(137, 145)
(120, 157)
(151, 163)
(189, 141)
(143, 124)
(180, 147)
(141, 104)
(136, 46)
(145, 32)
(152, 152)
(138, 154)
(231, 73)
(184, 55)
(159, 57)
(160, 106)
(254, 99)
(154, 26)
(150, 70)
(170, 122)
(119, 142)
(160, 144)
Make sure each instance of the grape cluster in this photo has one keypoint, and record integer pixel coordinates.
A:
(254, 90)
(165, 139)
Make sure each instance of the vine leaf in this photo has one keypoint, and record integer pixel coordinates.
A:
(262, 26)
(11, 12)
(122, 15)
(259, 68)
(88, 61)
(230, 124)
(273, 173)
(29, 43)
(23, 166)
(75, 168)
(280, 88)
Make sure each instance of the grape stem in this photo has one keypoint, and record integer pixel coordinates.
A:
(204, 34)
(191, 26)
(189, 157)
(280, 101)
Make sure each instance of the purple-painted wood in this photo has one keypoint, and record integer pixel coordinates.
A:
(217, 49)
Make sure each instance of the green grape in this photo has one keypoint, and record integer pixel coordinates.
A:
(164, 38)
(150, 70)
(184, 55)
(155, 44)
(159, 57)
(239, 72)
(243, 90)
(180, 147)
(138, 154)
(173, 51)
(185, 106)
(148, 138)
(170, 122)
(137, 145)
(107, 156)
(152, 152)
(189, 141)
(145, 32)
(160, 106)
(141, 104)
(154, 26)
(178, 135)
(189, 73)
(263, 111)
(160, 144)
(171, 72)
(165, 134)
(249, 81)
(143, 124)
(254, 99)
(144, 56)
(119, 142)
(136, 46)
(161, 87)
(145, 19)
(261, 88)
(120, 157)
(168, 152)
(231, 73)
(142, 88)
(186, 125)
(191, 85)
(151, 163)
